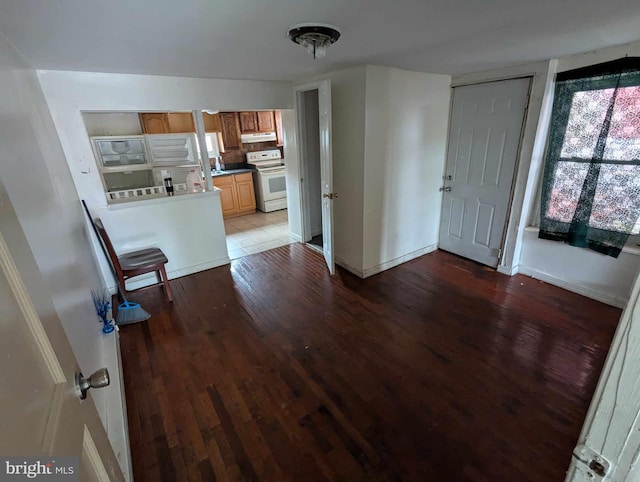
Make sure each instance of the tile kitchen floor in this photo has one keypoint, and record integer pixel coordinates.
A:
(257, 232)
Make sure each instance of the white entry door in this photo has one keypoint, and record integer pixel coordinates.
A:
(484, 139)
(41, 414)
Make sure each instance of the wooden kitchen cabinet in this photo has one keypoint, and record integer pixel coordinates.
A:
(245, 192)
(277, 117)
(155, 122)
(265, 121)
(211, 122)
(181, 122)
(248, 122)
(167, 122)
(252, 122)
(237, 195)
(230, 130)
(228, 195)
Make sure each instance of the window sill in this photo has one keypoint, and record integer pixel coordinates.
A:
(630, 248)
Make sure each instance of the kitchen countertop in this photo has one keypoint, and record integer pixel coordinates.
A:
(160, 198)
(230, 172)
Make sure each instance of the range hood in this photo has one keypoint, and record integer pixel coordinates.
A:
(258, 137)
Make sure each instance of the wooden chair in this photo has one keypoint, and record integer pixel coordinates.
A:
(137, 263)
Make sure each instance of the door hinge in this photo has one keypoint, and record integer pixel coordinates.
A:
(597, 465)
(499, 254)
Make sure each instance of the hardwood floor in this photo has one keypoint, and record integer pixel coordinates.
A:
(437, 370)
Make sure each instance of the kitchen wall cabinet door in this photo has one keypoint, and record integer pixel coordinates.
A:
(167, 122)
(265, 121)
(211, 122)
(277, 115)
(155, 122)
(180, 122)
(248, 122)
(230, 130)
(251, 122)
(245, 192)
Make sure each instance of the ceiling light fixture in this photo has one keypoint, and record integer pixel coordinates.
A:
(315, 37)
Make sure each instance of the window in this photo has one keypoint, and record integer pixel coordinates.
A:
(213, 140)
(591, 184)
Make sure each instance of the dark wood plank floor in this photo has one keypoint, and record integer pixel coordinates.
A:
(437, 370)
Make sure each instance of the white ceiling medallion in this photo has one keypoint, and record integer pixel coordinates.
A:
(315, 37)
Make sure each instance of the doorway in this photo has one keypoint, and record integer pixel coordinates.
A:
(313, 108)
(484, 143)
(311, 157)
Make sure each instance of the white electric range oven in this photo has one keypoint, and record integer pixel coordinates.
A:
(269, 180)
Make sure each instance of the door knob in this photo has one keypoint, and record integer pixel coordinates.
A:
(99, 378)
(445, 189)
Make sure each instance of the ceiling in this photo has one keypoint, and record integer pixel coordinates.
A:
(245, 39)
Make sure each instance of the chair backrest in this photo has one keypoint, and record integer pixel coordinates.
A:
(107, 244)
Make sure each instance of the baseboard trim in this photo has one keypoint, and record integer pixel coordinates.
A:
(296, 237)
(509, 271)
(149, 279)
(349, 268)
(392, 263)
(616, 301)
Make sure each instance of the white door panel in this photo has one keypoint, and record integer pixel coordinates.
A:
(326, 172)
(323, 88)
(484, 138)
(611, 431)
(41, 413)
(456, 217)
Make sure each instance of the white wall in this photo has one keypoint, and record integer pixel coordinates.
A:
(407, 116)
(580, 270)
(112, 123)
(313, 182)
(34, 171)
(185, 227)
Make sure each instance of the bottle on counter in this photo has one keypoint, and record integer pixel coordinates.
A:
(194, 181)
(168, 186)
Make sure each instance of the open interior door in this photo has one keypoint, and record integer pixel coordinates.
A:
(609, 445)
(42, 416)
(326, 172)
